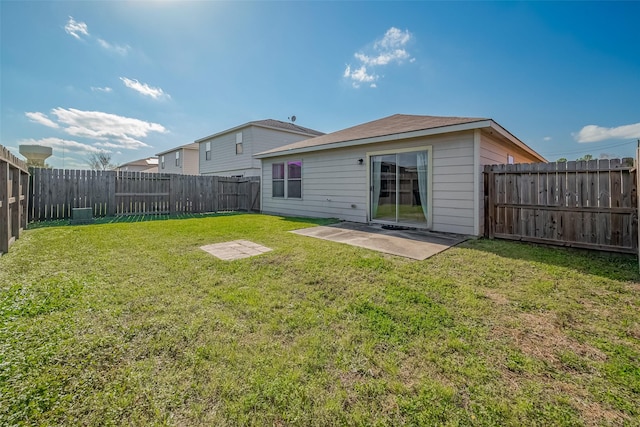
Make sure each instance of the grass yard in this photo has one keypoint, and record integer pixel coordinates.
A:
(132, 324)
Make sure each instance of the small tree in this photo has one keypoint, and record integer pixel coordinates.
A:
(562, 160)
(100, 161)
(586, 157)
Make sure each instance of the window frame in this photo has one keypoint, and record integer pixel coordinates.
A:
(207, 150)
(286, 179)
(279, 180)
(161, 162)
(295, 179)
(177, 159)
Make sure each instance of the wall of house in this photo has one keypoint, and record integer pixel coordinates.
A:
(334, 185)
(224, 160)
(495, 151)
(170, 162)
(188, 162)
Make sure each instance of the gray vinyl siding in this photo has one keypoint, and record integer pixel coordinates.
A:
(334, 185)
(188, 162)
(224, 160)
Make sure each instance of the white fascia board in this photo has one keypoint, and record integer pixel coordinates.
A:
(384, 138)
(505, 133)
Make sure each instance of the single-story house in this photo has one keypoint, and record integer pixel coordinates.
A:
(148, 165)
(183, 160)
(405, 170)
(230, 152)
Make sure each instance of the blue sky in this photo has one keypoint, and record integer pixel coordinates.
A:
(137, 78)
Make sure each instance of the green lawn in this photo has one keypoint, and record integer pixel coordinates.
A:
(132, 324)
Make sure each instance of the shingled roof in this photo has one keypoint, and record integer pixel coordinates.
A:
(396, 124)
(285, 125)
(268, 123)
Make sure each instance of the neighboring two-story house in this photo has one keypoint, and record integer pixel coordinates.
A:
(182, 160)
(230, 152)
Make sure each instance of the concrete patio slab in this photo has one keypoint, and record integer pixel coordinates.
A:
(236, 249)
(414, 244)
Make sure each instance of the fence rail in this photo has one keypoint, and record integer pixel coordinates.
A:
(14, 178)
(589, 204)
(55, 192)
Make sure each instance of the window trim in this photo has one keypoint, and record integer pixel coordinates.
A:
(177, 159)
(161, 162)
(207, 150)
(289, 179)
(286, 179)
(283, 180)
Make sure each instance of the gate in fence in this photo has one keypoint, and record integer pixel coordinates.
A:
(55, 192)
(588, 204)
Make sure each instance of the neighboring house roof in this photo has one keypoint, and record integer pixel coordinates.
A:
(150, 161)
(269, 124)
(397, 126)
(190, 146)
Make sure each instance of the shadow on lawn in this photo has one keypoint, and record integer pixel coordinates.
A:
(130, 218)
(604, 264)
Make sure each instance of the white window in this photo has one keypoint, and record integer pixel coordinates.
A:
(287, 182)
(277, 179)
(161, 162)
(510, 159)
(294, 179)
(177, 158)
(207, 150)
(239, 143)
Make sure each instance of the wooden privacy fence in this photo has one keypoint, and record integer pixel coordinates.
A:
(14, 179)
(588, 204)
(55, 192)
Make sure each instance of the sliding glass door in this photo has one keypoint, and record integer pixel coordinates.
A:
(399, 188)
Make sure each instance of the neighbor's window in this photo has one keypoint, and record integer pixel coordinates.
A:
(239, 143)
(294, 179)
(277, 179)
(510, 159)
(161, 162)
(177, 158)
(207, 150)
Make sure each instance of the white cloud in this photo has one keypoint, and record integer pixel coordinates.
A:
(144, 89)
(108, 130)
(385, 51)
(42, 119)
(118, 131)
(105, 89)
(80, 30)
(76, 29)
(120, 50)
(393, 38)
(547, 138)
(63, 144)
(593, 133)
(359, 76)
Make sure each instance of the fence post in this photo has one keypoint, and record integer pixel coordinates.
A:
(4, 207)
(112, 207)
(172, 194)
(15, 210)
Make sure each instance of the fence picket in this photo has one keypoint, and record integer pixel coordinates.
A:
(583, 204)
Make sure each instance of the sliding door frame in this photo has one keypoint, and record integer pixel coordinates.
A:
(429, 150)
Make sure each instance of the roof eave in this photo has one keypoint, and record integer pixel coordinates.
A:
(385, 138)
(509, 136)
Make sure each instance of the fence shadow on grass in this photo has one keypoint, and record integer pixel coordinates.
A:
(132, 218)
(603, 264)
